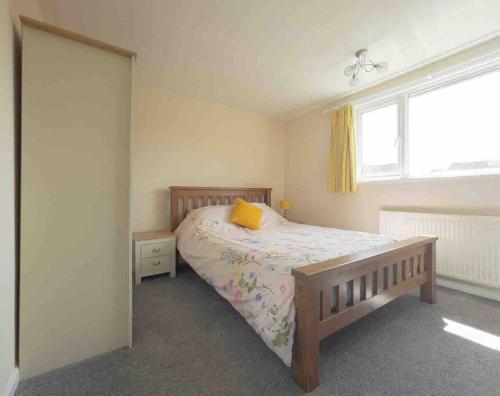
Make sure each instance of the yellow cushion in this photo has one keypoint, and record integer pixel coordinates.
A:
(246, 215)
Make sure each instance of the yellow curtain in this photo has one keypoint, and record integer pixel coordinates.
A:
(342, 167)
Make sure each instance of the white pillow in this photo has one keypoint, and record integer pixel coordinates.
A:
(210, 216)
(270, 217)
(218, 216)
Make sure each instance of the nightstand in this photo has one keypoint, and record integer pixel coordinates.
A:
(154, 253)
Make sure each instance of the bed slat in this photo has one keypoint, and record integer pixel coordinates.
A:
(380, 280)
(341, 297)
(369, 285)
(390, 276)
(326, 303)
(356, 291)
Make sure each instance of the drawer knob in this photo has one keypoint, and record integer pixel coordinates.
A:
(156, 262)
(156, 250)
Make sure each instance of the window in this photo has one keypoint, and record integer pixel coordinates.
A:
(435, 130)
(380, 141)
(455, 130)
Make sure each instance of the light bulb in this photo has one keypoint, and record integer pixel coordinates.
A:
(382, 67)
(349, 70)
(354, 81)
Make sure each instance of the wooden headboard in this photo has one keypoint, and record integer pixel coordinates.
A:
(183, 199)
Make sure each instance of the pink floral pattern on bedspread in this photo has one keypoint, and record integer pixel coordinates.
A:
(252, 269)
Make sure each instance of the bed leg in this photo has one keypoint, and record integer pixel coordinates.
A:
(306, 344)
(428, 289)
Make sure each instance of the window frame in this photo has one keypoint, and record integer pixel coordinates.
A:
(372, 106)
(401, 96)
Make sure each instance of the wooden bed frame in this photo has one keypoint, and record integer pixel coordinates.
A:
(331, 294)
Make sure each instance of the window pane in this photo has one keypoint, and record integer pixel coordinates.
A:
(379, 141)
(456, 130)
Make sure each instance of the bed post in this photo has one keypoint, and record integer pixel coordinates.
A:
(267, 197)
(428, 289)
(306, 345)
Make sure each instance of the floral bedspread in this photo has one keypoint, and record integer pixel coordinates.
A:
(252, 269)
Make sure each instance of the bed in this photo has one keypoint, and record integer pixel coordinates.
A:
(295, 284)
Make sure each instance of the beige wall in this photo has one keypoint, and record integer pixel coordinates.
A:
(7, 228)
(181, 141)
(307, 151)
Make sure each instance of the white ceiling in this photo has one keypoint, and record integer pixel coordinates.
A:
(274, 56)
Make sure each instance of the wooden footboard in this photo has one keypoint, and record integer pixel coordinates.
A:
(332, 294)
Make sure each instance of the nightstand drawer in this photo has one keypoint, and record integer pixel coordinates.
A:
(156, 249)
(154, 253)
(155, 265)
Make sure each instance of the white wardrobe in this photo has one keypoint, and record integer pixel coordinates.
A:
(75, 276)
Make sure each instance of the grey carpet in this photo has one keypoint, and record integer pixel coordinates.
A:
(188, 340)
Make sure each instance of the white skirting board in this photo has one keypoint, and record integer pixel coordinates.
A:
(12, 382)
(478, 290)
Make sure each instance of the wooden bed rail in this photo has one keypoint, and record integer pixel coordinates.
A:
(332, 294)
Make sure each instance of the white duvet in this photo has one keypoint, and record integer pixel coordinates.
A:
(252, 269)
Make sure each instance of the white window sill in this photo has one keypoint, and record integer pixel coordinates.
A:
(399, 179)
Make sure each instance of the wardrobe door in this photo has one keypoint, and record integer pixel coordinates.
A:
(74, 262)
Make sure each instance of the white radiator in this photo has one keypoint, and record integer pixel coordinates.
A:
(468, 249)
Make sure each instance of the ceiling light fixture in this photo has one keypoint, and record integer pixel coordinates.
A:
(363, 64)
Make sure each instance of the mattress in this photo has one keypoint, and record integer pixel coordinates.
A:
(252, 268)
